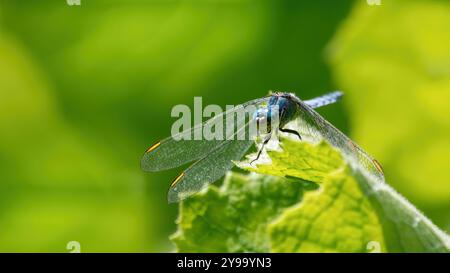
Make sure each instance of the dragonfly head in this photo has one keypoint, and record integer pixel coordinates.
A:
(285, 104)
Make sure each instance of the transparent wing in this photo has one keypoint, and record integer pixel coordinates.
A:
(324, 100)
(209, 169)
(315, 127)
(170, 152)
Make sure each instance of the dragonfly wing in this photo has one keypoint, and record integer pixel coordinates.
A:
(208, 169)
(315, 127)
(172, 152)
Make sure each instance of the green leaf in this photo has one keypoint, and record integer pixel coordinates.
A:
(234, 217)
(314, 201)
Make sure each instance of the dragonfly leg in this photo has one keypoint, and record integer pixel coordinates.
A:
(266, 140)
(289, 131)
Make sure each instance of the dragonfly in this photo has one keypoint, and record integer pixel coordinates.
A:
(214, 158)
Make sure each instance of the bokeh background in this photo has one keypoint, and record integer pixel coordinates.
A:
(84, 90)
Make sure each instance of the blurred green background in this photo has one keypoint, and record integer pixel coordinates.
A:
(84, 90)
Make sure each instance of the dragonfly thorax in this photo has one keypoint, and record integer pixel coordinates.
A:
(280, 110)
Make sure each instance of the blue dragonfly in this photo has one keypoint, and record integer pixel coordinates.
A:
(213, 158)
